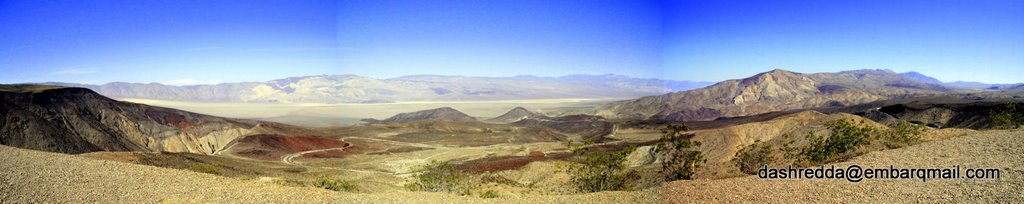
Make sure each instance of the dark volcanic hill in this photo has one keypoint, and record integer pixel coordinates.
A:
(516, 114)
(437, 114)
(776, 90)
(76, 120)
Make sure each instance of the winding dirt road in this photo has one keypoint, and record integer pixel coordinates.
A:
(287, 159)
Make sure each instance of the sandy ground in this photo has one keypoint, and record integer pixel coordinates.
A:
(28, 176)
(988, 149)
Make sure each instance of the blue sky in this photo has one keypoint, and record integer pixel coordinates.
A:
(190, 42)
(950, 40)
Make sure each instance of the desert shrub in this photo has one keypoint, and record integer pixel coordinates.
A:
(491, 178)
(902, 134)
(205, 168)
(679, 158)
(1008, 117)
(752, 157)
(294, 169)
(440, 177)
(600, 171)
(334, 185)
(789, 151)
(577, 148)
(289, 182)
(845, 138)
(489, 194)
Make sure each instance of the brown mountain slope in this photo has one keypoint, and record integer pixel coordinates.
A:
(437, 114)
(76, 120)
(776, 90)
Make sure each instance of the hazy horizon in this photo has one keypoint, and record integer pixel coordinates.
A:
(207, 42)
(595, 75)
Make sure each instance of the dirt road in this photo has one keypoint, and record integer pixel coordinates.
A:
(287, 159)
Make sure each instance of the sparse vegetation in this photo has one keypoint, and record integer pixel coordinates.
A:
(489, 194)
(577, 148)
(844, 139)
(754, 156)
(902, 134)
(440, 177)
(1008, 117)
(289, 182)
(334, 185)
(492, 178)
(679, 158)
(599, 171)
(205, 168)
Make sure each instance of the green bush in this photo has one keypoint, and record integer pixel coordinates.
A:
(902, 134)
(440, 177)
(845, 138)
(205, 168)
(600, 171)
(754, 156)
(489, 194)
(679, 159)
(1008, 117)
(334, 185)
(289, 182)
(491, 178)
(577, 148)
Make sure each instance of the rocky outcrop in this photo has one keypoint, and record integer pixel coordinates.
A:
(77, 120)
(641, 156)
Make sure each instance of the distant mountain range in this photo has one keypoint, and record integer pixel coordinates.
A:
(776, 90)
(959, 84)
(359, 89)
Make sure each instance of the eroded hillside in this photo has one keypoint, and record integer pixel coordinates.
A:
(76, 120)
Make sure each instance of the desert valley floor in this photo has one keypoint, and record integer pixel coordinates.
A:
(34, 176)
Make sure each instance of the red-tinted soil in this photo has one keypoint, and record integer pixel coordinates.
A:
(325, 154)
(495, 164)
(171, 119)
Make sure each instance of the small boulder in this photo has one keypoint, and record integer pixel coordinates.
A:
(641, 156)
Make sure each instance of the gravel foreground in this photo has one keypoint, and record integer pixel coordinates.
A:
(28, 176)
(988, 149)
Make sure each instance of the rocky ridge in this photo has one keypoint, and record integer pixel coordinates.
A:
(776, 90)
